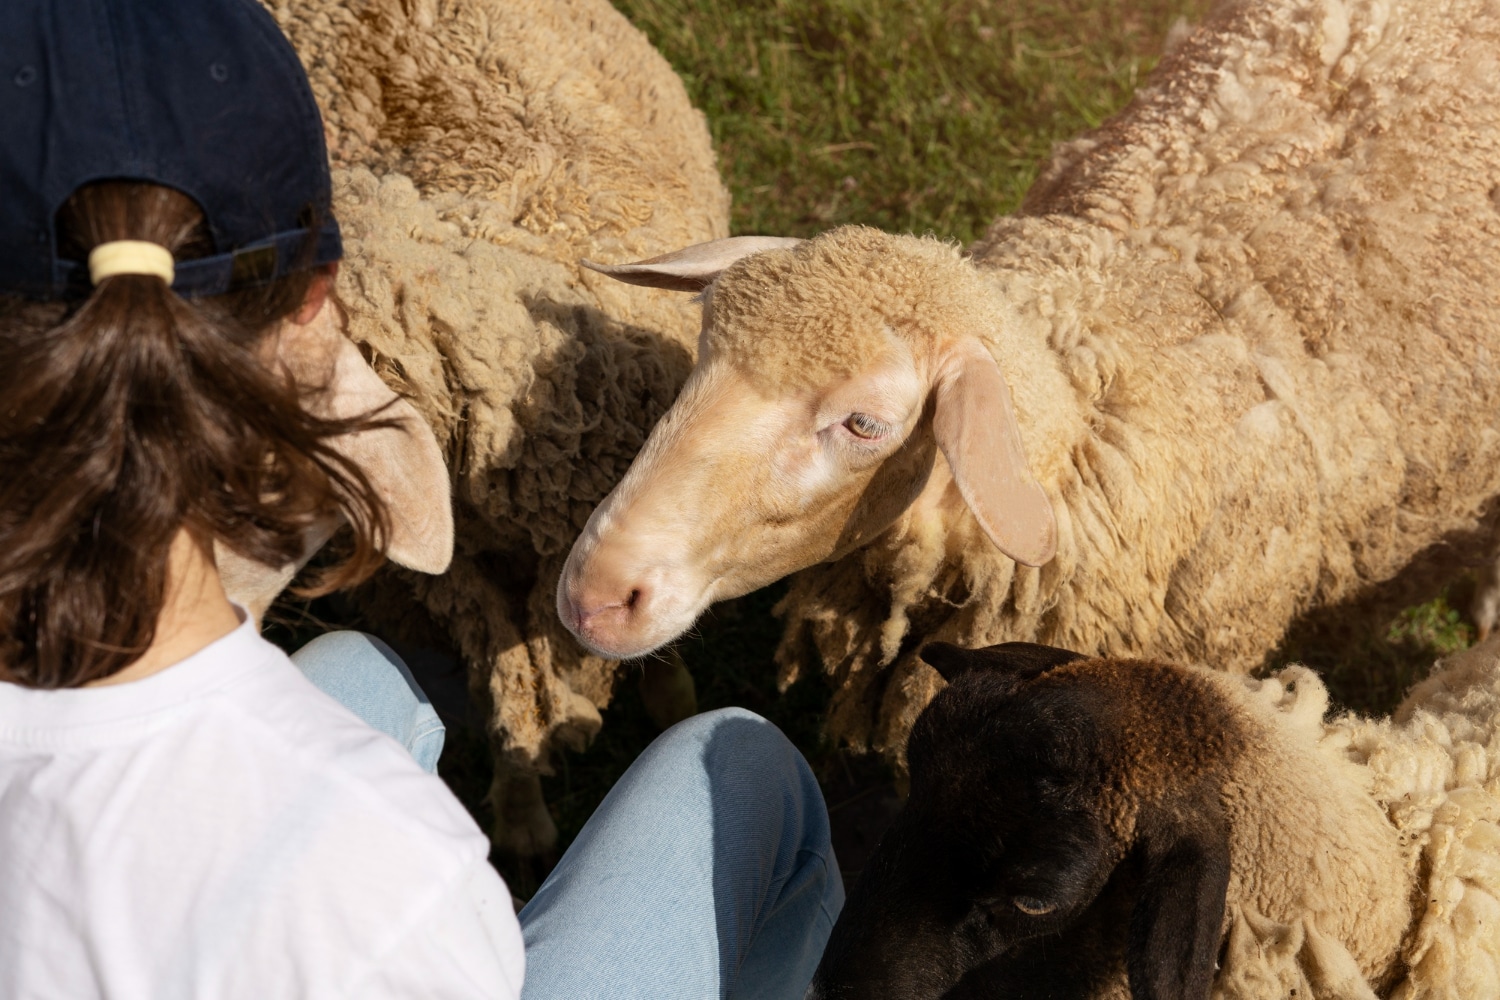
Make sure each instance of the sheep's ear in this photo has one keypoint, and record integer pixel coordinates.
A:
(1023, 661)
(403, 463)
(1177, 918)
(693, 268)
(975, 426)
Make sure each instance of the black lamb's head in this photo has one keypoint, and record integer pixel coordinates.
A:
(1062, 834)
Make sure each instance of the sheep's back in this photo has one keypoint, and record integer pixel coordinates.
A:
(1436, 766)
(1322, 173)
(1320, 896)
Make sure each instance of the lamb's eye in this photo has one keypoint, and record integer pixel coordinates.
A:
(862, 425)
(1033, 907)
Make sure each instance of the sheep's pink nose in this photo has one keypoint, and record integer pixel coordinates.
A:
(603, 612)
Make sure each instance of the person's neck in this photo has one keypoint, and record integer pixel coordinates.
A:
(195, 613)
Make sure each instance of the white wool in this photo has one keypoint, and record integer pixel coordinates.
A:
(1435, 769)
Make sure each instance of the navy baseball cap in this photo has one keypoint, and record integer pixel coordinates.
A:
(204, 96)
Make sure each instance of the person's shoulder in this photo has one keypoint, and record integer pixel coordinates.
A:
(312, 739)
(383, 848)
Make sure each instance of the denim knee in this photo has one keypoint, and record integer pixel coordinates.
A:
(741, 753)
(740, 726)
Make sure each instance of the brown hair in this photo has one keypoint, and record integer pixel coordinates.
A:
(136, 414)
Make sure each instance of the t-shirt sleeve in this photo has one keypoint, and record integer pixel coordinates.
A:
(466, 946)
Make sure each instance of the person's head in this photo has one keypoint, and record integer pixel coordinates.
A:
(158, 231)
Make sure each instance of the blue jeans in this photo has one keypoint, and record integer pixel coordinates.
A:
(706, 872)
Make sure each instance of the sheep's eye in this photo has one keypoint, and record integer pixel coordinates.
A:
(1033, 907)
(862, 425)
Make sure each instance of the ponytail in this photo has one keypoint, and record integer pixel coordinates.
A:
(138, 414)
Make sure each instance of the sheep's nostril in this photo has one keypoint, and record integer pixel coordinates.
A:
(595, 611)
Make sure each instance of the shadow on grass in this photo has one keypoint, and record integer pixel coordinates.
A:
(1370, 652)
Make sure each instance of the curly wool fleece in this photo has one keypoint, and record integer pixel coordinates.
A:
(479, 149)
(1434, 769)
(1266, 298)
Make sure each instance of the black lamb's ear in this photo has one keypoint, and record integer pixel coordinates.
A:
(1021, 660)
(947, 659)
(1176, 922)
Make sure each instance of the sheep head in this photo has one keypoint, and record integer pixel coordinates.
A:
(1064, 832)
(839, 380)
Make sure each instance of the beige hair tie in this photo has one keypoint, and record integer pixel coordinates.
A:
(131, 257)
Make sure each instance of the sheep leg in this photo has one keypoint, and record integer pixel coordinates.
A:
(1485, 607)
(667, 689)
(523, 826)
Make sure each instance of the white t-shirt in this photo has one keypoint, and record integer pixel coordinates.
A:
(223, 829)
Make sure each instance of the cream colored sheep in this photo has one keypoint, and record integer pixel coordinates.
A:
(1112, 828)
(1434, 768)
(1250, 331)
(479, 148)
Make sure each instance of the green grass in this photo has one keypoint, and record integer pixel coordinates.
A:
(1434, 627)
(1369, 658)
(910, 115)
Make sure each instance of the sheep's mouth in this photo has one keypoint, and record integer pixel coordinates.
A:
(625, 653)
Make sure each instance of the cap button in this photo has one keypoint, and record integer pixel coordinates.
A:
(219, 72)
(26, 77)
